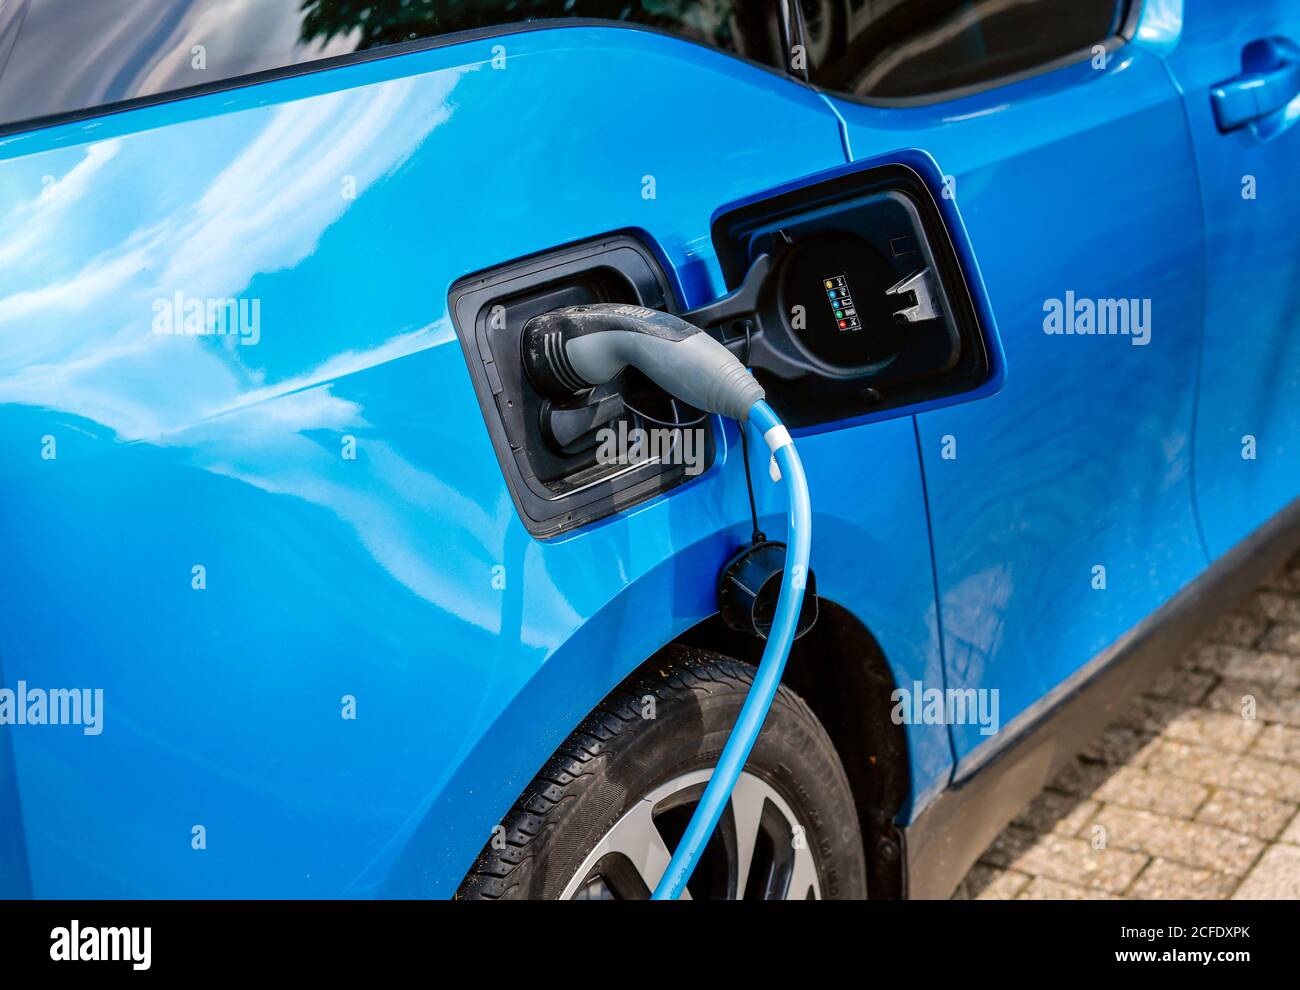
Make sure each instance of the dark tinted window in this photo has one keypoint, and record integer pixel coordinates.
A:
(74, 54)
(889, 49)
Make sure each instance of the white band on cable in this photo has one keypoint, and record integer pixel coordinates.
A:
(777, 437)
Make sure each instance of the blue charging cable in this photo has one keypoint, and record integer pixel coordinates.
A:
(768, 677)
(569, 350)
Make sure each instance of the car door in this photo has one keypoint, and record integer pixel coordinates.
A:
(1061, 509)
(1239, 72)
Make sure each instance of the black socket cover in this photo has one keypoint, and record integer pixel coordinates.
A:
(750, 584)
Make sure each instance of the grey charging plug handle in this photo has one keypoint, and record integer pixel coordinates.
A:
(567, 351)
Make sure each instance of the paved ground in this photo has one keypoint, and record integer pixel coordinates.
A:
(1187, 795)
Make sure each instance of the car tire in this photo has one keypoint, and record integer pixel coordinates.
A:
(607, 809)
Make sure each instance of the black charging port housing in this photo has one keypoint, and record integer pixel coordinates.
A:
(549, 454)
(866, 307)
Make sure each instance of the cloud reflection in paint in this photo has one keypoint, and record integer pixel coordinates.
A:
(76, 307)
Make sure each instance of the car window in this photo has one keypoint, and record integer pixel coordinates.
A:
(72, 55)
(901, 49)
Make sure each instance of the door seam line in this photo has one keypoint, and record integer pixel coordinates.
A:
(1181, 96)
(845, 142)
(934, 581)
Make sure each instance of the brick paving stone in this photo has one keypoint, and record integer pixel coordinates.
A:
(1278, 742)
(1275, 877)
(1120, 745)
(1043, 889)
(986, 883)
(1292, 833)
(1211, 656)
(1191, 843)
(1081, 777)
(1217, 730)
(1249, 814)
(1271, 702)
(1284, 581)
(1277, 606)
(1188, 687)
(1136, 788)
(1166, 880)
(1237, 663)
(1053, 811)
(1058, 857)
(1267, 778)
(1239, 628)
(1282, 638)
(1149, 714)
(1287, 578)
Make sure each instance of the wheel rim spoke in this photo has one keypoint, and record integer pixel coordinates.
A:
(631, 858)
(635, 841)
(747, 802)
(803, 878)
(637, 837)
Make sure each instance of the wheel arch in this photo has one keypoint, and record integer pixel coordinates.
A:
(838, 668)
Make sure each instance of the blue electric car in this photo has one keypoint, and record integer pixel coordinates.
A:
(312, 586)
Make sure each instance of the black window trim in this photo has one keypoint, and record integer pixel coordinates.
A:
(367, 55)
(795, 25)
(1127, 32)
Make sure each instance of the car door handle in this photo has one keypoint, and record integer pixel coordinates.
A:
(1254, 95)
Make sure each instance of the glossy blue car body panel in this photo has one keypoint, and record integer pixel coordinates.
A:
(348, 202)
(374, 577)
